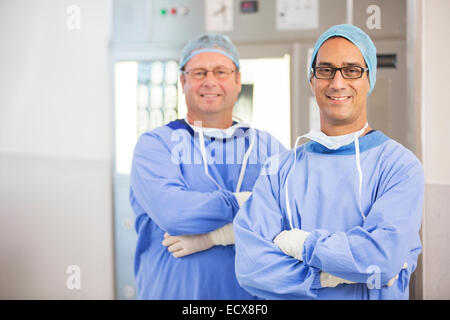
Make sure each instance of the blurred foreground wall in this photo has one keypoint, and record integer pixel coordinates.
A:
(55, 150)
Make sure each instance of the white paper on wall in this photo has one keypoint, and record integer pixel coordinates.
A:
(219, 15)
(297, 14)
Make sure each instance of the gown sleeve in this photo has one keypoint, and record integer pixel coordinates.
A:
(388, 236)
(158, 186)
(261, 267)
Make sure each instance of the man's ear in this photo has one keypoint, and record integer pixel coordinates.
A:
(311, 84)
(238, 81)
(182, 80)
(368, 80)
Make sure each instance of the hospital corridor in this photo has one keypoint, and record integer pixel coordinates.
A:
(105, 169)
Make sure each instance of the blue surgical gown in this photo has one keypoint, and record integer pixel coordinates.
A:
(170, 192)
(324, 200)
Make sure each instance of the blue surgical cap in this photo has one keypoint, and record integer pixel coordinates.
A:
(360, 39)
(210, 42)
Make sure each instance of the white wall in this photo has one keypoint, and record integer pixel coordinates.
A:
(55, 150)
(436, 150)
(436, 45)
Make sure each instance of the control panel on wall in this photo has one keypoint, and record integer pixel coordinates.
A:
(176, 20)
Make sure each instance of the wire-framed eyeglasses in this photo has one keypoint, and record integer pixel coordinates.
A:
(347, 72)
(200, 74)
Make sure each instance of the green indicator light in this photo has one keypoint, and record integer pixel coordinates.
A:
(163, 12)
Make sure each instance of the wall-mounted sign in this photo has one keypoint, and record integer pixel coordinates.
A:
(297, 14)
(219, 15)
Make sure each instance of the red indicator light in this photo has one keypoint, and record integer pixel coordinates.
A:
(249, 6)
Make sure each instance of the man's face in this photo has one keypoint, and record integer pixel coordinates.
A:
(210, 95)
(341, 101)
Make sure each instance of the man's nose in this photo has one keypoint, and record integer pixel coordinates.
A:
(210, 78)
(338, 82)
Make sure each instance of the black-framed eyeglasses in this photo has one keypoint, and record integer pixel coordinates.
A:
(200, 74)
(348, 72)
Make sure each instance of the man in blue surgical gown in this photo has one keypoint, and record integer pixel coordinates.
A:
(189, 178)
(340, 218)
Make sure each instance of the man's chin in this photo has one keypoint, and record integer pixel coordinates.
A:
(339, 119)
(211, 108)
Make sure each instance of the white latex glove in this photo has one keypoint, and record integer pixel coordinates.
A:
(223, 236)
(291, 242)
(241, 197)
(329, 281)
(181, 246)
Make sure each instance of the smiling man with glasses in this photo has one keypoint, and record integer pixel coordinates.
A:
(190, 177)
(211, 82)
(341, 218)
(341, 96)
